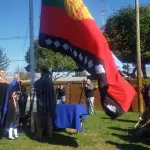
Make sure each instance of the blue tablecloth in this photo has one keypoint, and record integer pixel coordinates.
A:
(68, 116)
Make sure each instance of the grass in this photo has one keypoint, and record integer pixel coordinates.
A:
(100, 133)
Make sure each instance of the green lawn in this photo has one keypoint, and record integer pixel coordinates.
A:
(100, 133)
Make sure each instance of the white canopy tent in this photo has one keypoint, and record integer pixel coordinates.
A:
(118, 63)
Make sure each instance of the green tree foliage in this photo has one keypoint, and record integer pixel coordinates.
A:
(120, 31)
(45, 58)
(4, 61)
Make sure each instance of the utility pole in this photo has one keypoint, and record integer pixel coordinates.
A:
(139, 73)
(31, 42)
(31, 55)
(102, 12)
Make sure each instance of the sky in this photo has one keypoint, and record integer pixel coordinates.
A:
(14, 22)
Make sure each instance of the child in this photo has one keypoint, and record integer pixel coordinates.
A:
(12, 117)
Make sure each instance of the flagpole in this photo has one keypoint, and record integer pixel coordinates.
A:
(31, 54)
(139, 75)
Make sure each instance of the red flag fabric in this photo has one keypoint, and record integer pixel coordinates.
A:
(68, 27)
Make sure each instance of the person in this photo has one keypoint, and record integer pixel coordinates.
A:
(61, 94)
(5, 108)
(89, 94)
(142, 127)
(42, 103)
(3, 90)
(146, 94)
(22, 105)
(3, 77)
(12, 117)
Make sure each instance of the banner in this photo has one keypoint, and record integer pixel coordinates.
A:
(67, 27)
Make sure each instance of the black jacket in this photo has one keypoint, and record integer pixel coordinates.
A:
(3, 90)
(61, 92)
(46, 99)
(89, 91)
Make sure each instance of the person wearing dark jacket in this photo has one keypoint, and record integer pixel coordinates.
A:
(3, 87)
(146, 94)
(7, 116)
(42, 103)
(61, 94)
(22, 105)
(89, 94)
(3, 90)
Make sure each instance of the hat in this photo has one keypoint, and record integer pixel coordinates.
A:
(45, 71)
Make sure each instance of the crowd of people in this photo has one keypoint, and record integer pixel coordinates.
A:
(41, 102)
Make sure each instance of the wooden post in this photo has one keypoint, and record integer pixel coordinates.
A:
(139, 73)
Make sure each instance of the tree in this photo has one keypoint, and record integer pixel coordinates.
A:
(55, 62)
(120, 30)
(4, 61)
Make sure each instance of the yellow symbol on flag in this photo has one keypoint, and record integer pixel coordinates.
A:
(77, 9)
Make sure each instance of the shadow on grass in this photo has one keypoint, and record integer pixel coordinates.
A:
(130, 138)
(105, 118)
(57, 139)
(119, 129)
(127, 146)
(133, 139)
(128, 121)
(121, 120)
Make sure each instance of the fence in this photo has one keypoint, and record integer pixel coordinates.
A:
(74, 94)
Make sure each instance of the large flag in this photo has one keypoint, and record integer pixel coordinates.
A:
(68, 27)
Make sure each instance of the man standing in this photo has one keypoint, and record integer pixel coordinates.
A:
(3, 90)
(5, 99)
(42, 103)
(61, 94)
(89, 94)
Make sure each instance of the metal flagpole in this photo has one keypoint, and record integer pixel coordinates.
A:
(139, 73)
(31, 54)
(102, 12)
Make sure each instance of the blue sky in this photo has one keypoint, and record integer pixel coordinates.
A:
(14, 22)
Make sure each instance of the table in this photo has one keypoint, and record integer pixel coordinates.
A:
(69, 116)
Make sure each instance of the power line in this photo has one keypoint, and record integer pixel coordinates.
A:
(17, 60)
(23, 48)
(16, 38)
(26, 36)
